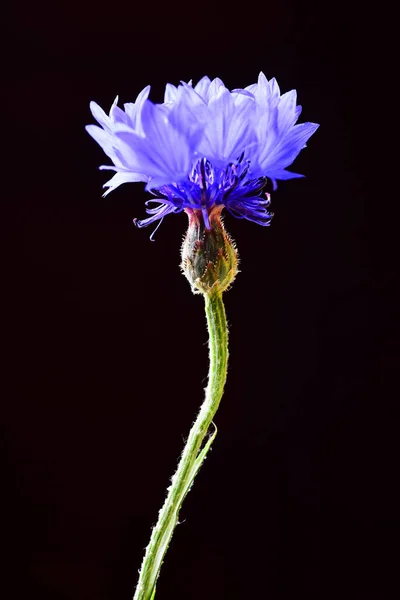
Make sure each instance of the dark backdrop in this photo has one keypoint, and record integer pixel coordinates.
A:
(106, 347)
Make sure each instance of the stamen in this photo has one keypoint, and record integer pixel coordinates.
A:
(207, 186)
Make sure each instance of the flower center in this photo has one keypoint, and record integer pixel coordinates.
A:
(207, 186)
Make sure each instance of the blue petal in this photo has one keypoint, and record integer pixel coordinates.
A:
(133, 110)
(214, 89)
(105, 140)
(283, 174)
(285, 153)
(100, 116)
(202, 86)
(170, 93)
(120, 178)
(116, 114)
(287, 111)
(163, 153)
(230, 128)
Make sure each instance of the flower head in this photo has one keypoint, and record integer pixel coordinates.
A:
(204, 147)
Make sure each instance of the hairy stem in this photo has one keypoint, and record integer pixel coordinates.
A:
(193, 453)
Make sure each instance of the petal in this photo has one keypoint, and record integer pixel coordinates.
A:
(231, 128)
(298, 112)
(117, 115)
(239, 95)
(286, 150)
(202, 86)
(120, 178)
(105, 141)
(263, 84)
(267, 135)
(274, 88)
(140, 101)
(215, 86)
(262, 92)
(283, 174)
(221, 106)
(100, 116)
(170, 93)
(165, 154)
(190, 113)
(295, 141)
(287, 111)
(251, 88)
(130, 110)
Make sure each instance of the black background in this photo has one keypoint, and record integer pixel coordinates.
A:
(106, 347)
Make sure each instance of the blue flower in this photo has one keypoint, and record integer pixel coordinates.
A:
(205, 146)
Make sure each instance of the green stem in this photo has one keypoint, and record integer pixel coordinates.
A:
(192, 455)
